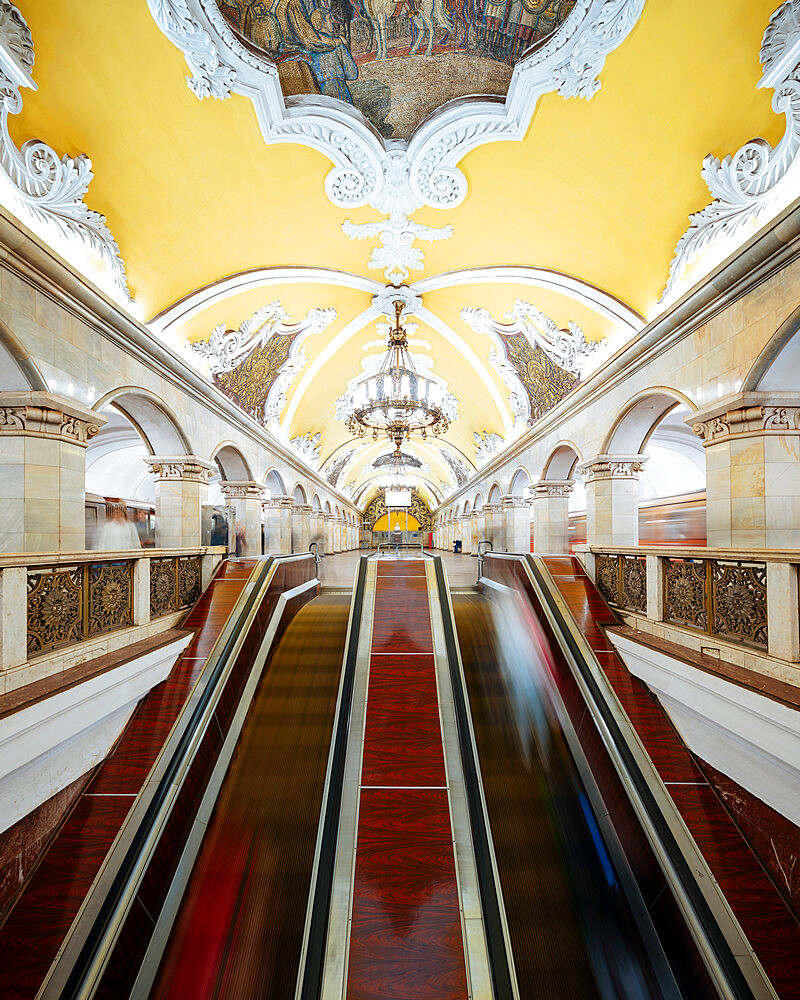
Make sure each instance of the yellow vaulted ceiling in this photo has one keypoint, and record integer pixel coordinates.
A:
(599, 190)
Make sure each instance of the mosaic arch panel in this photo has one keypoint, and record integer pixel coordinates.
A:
(419, 509)
(395, 60)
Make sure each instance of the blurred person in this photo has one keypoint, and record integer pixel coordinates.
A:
(117, 532)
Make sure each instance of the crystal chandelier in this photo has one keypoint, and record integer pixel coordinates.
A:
(396, 400)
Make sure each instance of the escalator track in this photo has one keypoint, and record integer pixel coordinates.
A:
(240, 927)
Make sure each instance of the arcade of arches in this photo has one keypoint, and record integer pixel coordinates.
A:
(586, 217)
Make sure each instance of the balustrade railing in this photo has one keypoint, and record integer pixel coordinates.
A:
(725, 594)
(49, 602)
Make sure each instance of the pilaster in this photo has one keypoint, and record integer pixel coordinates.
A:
(752, 448)
(245, 498)
(516, 523)
(551, 515)
(612, 498)
(301, 527)
(181, 491)
(43, 440)
(278, 517)
(494, 526)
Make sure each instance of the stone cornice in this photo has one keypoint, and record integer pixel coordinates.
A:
(241, 490)
(27, 257)
(769, 251)
(612, 467)
(44, 414)
(547, 488)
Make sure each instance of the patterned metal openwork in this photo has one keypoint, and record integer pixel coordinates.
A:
(175, 583)
(686, 593)
(67, 604)
(739, 601)
(622, 580)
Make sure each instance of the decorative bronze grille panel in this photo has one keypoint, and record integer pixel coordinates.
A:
(163, 587)
(739, 601)
(633, 583)
(685, 593)
(607, 574)
(189, 580)
(110, 603)
(56, 602)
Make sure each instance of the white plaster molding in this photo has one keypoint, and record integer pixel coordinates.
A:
(385, 299)
(757, 181)
(48, 189)
(627, 320)
(48, 745)
(396, 255)
(395, 177)
(307, 447)
(225, 349)
(749, 737)
(486, 445)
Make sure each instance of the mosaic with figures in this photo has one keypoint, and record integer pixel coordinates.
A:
(396, 60)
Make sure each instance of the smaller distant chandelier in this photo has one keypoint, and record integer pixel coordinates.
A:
(397, 401)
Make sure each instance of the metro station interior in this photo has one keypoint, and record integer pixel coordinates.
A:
(400, 499)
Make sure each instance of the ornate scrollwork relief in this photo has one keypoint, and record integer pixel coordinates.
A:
(747, 421)
(110, 587)
(685, 593)
(757, 181)
(307, 447)
(163, 587)
(539, 362)
(50, 422)
(49, 188)
(633, 583)
(739, 601)
(607, 575)
(55, 608)
(189, 580)
(486, 444)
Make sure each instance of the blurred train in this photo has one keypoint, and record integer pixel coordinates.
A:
(679, 520)
(142, 515)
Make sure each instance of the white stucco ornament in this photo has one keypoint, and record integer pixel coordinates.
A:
(48, 189)
(396, 177)
(757, 181)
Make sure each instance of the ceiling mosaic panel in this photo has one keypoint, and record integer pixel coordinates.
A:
(249, 384)
(395, 60)
(544, 382)
(419, 509)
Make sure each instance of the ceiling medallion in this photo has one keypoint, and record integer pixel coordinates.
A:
(307, 90)
(396, 400)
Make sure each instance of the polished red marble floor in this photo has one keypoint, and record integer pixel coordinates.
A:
(769, 924)
(405, 938)
(36, 926)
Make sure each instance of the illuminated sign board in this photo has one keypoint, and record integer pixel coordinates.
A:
(398, 498)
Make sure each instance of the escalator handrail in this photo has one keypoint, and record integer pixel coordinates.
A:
(714, 938)
(86, 968)
(491, 906)
(310, 975)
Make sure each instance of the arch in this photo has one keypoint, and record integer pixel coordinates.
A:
(153, 419)
(467, 509)
(478, 502)
(231, 463)
(299, 494)
(327, 507)
(519, 481)
(115, 460)
(273, 480)
(17, 369)
(777, 365)
(315, 502)
(495, 494)
(640, 416)
(562, 461)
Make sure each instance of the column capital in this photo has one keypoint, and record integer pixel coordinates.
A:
(180, 467)
(489, 508)
(747, 414)
(241, 489)
(278, 502)
(302, 508)
(329, 517)
(510, 501)
(612, 467)
(553, 488)
(44, 414)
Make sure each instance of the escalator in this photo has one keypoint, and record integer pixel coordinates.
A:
(421, 799)
(240, 929)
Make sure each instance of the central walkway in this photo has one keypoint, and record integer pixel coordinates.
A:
(406, 929)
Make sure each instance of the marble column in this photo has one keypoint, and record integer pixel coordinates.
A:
(494, 526)
(551, 515)
(473, 533)
(278, 516)
(181, 491)
(517, 524)
(330, 547)
(480, 527)
(466, 534)
(43, 441)
(301, 527)
(318, 530)
(752, 448)
(245, 498)
(612, 499)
